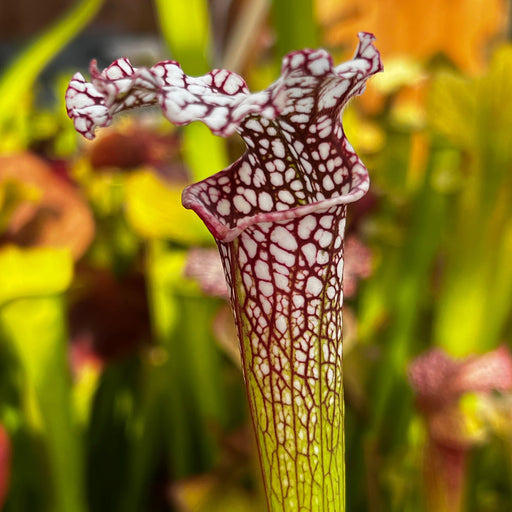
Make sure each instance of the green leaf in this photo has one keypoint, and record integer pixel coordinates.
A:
(154, 210)
(451, 109)
(185, 28)
(189, 377)
(33, 323)
(295, 25)
(204, 153)
(18, 80)
(476, 115)
(34, 272)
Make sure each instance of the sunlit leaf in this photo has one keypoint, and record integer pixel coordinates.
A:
(184, 26)
(33, 272)
(33, 324)
(84, 390)
(86, 367)
(203, 152)
(154, 210)
(476, 113)
(475, 116)
(495, 106)
(452, 108)
(17, 81)
(35, 327)
(295, 25)
(188, 42)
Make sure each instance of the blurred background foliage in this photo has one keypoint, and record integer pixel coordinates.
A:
(120, 386)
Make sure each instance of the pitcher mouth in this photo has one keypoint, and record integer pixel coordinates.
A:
(225, 233)
(300, 161)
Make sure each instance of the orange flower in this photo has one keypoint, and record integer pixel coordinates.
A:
(458, 29)
(60, 218)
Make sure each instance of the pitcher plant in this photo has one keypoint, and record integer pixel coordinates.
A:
(278, 217)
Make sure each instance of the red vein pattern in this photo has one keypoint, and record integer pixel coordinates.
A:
(278, 215)
(287, 297)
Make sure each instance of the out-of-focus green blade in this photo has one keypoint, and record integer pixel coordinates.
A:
(33, 272)
(18, 79)
(154, 210)
(33, 323)
(204, 153)
(474, 300)
(185, 28)
(295, 25)
(182, 318)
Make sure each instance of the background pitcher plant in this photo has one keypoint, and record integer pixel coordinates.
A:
(278, 216)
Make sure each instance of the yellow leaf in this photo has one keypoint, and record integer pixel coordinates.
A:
(452, 108)
(33, 272)
(154, 210)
